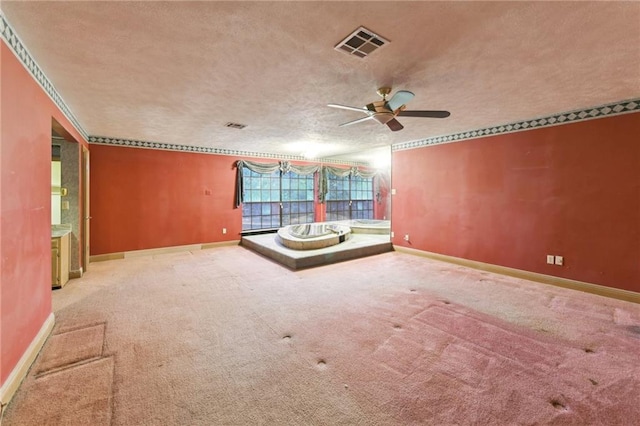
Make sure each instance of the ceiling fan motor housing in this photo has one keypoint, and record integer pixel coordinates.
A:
(380, 112)
(383, 117)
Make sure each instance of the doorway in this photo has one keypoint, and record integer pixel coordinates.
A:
(74, 205)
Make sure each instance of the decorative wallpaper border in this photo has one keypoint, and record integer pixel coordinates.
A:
(616, 108)
(8, 34)
(103, 140)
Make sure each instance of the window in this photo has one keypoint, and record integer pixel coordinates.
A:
(261, 208)
(275, 200)
(361, 198)
(349, 198)
(338, 198)
(297, 199)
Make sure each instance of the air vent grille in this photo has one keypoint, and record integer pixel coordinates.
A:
(361, 43)
(235, 125)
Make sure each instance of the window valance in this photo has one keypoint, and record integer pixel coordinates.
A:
(286, 166)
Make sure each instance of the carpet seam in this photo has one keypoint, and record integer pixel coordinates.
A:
(70, 366)
(82, 327)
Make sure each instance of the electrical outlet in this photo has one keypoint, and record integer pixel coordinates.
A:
(391, 234)
(550, 259)
(224, 230)
(559, 260)
(406, 237)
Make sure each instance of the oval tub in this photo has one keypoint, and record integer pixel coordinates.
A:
(369, 226)
(311, 236)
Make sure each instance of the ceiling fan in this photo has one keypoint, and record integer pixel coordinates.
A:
(385, 111)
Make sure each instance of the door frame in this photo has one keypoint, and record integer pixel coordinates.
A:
(86, 216)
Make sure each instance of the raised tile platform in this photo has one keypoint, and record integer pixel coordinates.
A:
(358, 245)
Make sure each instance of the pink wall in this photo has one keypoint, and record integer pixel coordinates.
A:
(142, 199)
(570, 190)
(145, 199)
(25, 206)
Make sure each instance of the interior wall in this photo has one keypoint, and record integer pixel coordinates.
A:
(25, 208)
(571, 190)
(146, 199)
(143, 199)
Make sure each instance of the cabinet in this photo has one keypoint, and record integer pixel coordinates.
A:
(59, 260)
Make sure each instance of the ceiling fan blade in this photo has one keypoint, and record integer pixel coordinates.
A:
(429, 114)
(348, 107)
(359, 120)
(400, 98)
(394, 125)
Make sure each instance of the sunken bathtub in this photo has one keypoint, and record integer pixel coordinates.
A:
(310, 236)
(369, 226)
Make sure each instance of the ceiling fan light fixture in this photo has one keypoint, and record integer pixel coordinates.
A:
(361, 43)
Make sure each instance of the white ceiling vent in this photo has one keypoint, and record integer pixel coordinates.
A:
(361, 43)
(235, 125)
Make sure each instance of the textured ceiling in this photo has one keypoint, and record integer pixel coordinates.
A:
(176, 72)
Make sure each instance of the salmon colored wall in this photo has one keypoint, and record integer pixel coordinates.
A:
(509, 200)
(145, 199)
(142, 199)
(25, 203)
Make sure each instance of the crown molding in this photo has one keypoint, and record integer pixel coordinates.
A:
(132, 143)
(607, 110)
(8, 34)
(612, 109)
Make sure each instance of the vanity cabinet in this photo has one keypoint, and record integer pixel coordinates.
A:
(59, 260)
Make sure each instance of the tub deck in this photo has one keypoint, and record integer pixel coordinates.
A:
(358, 245)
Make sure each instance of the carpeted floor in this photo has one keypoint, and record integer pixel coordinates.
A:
(226, 337)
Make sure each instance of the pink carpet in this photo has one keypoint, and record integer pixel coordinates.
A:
(226, 337)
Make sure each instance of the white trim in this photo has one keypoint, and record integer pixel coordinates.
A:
(19, 372)
(161, 250)
(614, 293)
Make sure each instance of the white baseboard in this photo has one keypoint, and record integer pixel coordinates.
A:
(162, 250)
(19, 372)
(600, 290)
